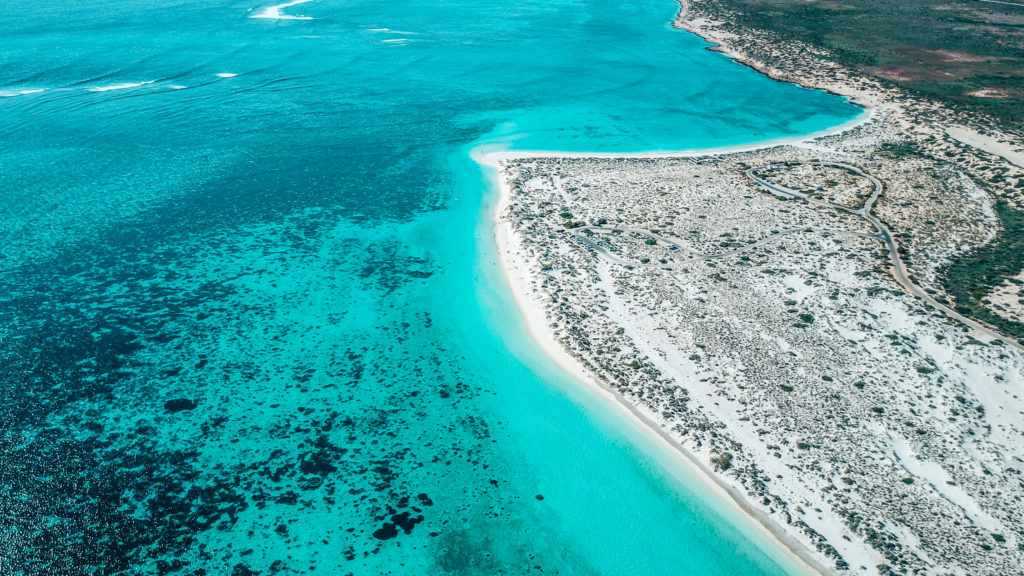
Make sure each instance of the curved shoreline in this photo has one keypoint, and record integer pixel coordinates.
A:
(679, 23)
(972, 169)
(517, 281)
(491, 157)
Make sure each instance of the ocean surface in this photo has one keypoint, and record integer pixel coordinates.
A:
(251, 316)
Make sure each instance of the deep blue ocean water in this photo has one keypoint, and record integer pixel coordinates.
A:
(251, 319)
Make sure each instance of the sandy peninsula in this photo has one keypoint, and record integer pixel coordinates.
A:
(777, 315)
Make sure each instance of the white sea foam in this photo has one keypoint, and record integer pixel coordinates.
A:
(177, 87)
(274, 12)
(226, 74)
(10, 93)
(390, 31)
(119, 86)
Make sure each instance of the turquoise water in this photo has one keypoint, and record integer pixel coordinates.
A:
(252, 320)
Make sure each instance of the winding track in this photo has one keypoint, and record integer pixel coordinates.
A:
(899, 268)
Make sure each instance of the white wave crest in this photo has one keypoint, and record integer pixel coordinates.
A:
(274, 12)
(390, 31)
(226, 74)
(120, 86)
(11, 93)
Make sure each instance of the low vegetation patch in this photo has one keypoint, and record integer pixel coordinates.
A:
(971, 278)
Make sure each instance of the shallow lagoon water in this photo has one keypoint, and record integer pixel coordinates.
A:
(251, 309)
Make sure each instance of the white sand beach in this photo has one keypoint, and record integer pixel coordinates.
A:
(517, 276)
(734, 391)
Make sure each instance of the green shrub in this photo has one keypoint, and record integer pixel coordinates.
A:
(970, 278)
(722, 461)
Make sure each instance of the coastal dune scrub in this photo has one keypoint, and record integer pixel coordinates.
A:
(796, 350)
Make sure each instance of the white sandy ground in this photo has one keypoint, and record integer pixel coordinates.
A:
(1005, 299)
(1002, 147)
(720, 399)
(993, 380)
(539, 327)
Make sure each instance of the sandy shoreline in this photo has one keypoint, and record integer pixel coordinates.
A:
(707, 359)
(537, 325)
(829, 499)
(865, 490)
(493, 158)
